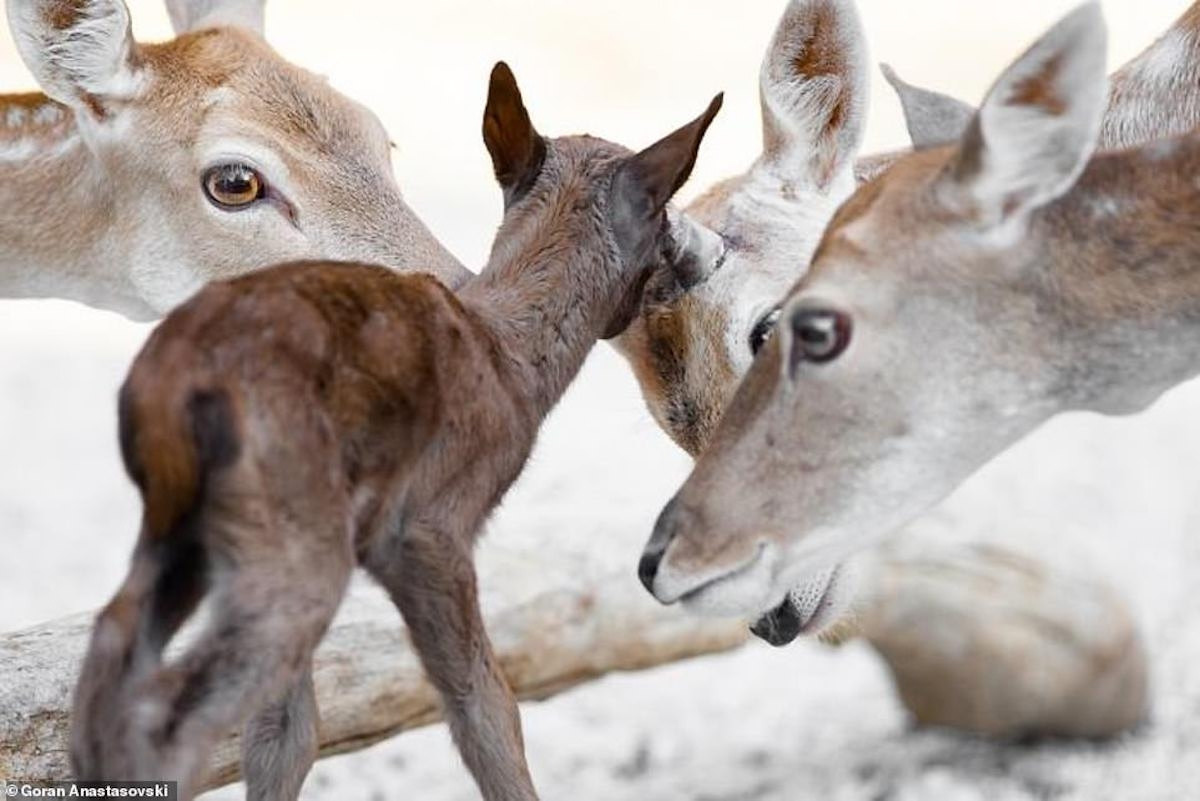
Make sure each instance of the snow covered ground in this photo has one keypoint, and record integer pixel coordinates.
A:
(804, 722)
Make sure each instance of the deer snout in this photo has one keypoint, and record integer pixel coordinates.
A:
(709, 567)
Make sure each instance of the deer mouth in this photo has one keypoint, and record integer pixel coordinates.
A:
(806, 610)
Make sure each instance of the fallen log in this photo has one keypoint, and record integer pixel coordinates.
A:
(981, 636)
(552, 631)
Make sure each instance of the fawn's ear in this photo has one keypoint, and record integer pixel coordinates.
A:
(81, 52)
(645, 181)
(932, 118)
(641, 187)
(815, 85)
(195, 15)
(516, 148)
(1038, 126)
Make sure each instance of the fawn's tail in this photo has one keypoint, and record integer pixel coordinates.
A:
(175, 429)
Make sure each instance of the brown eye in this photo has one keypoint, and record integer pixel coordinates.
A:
(233, 186)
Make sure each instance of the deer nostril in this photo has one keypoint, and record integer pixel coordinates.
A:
(648, 567)
(652, 556)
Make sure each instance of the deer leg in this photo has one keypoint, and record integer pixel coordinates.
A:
(165, 583)
(268, 618)
(279, 744)
(431, 578)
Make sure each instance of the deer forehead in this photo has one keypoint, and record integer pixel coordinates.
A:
(235, 80)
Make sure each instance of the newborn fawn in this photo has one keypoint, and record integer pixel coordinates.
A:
(284, 425)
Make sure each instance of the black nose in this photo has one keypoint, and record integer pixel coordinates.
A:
(653, 554)
(648, 567)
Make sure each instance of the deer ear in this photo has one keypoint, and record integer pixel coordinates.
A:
(647, 180)
(932, 118)
(644, 182)
(694, 251)
(815, 86)
(81, 52)
(195, 15)
(1038, 126)
(516, 148)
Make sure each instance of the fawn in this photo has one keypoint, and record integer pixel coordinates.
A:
(286, 425)
(968, 295)
(147, 170)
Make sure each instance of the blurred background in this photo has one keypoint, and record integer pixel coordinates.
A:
(807, 721)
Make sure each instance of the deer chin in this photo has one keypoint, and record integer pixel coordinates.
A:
(808, 609)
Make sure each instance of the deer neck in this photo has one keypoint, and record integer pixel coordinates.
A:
(57, 228)
(547, 297)
(1158, 93)
(1124, 248)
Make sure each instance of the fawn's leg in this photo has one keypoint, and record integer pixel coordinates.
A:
(431, 578)
(270, 612)
(166, 581)
(279, 744)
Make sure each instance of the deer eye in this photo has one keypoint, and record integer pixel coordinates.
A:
(820, 334)
(233, 186)
(762, 330)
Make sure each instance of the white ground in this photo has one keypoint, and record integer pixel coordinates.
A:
(803, 722)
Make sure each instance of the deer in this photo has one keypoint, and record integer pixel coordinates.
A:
(969, 294)
(146, 170)
(754, 234)
(287, 425)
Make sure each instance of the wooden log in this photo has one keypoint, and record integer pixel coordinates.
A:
(979, 636)
(554, 625)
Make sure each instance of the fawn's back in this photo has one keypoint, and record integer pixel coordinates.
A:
(353, 369)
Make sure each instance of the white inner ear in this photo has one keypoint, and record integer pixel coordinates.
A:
(93, 56)
(798, 107)
(194, 15)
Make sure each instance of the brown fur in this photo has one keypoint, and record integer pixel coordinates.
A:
(287, 425)
(1039, 90)
(62, 14)
(821, 55)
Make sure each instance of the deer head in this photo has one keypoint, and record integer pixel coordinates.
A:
(916, 347)
(749, 238)
(212, 154)
(625, 230)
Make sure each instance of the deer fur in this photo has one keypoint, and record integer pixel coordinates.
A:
(287, 425)
(101, 177)
(974, 291)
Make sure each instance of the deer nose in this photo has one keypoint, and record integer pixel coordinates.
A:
(652, 556)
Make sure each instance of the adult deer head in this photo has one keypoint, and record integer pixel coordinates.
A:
(933, 329)
(149, 169)
(749, 238)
